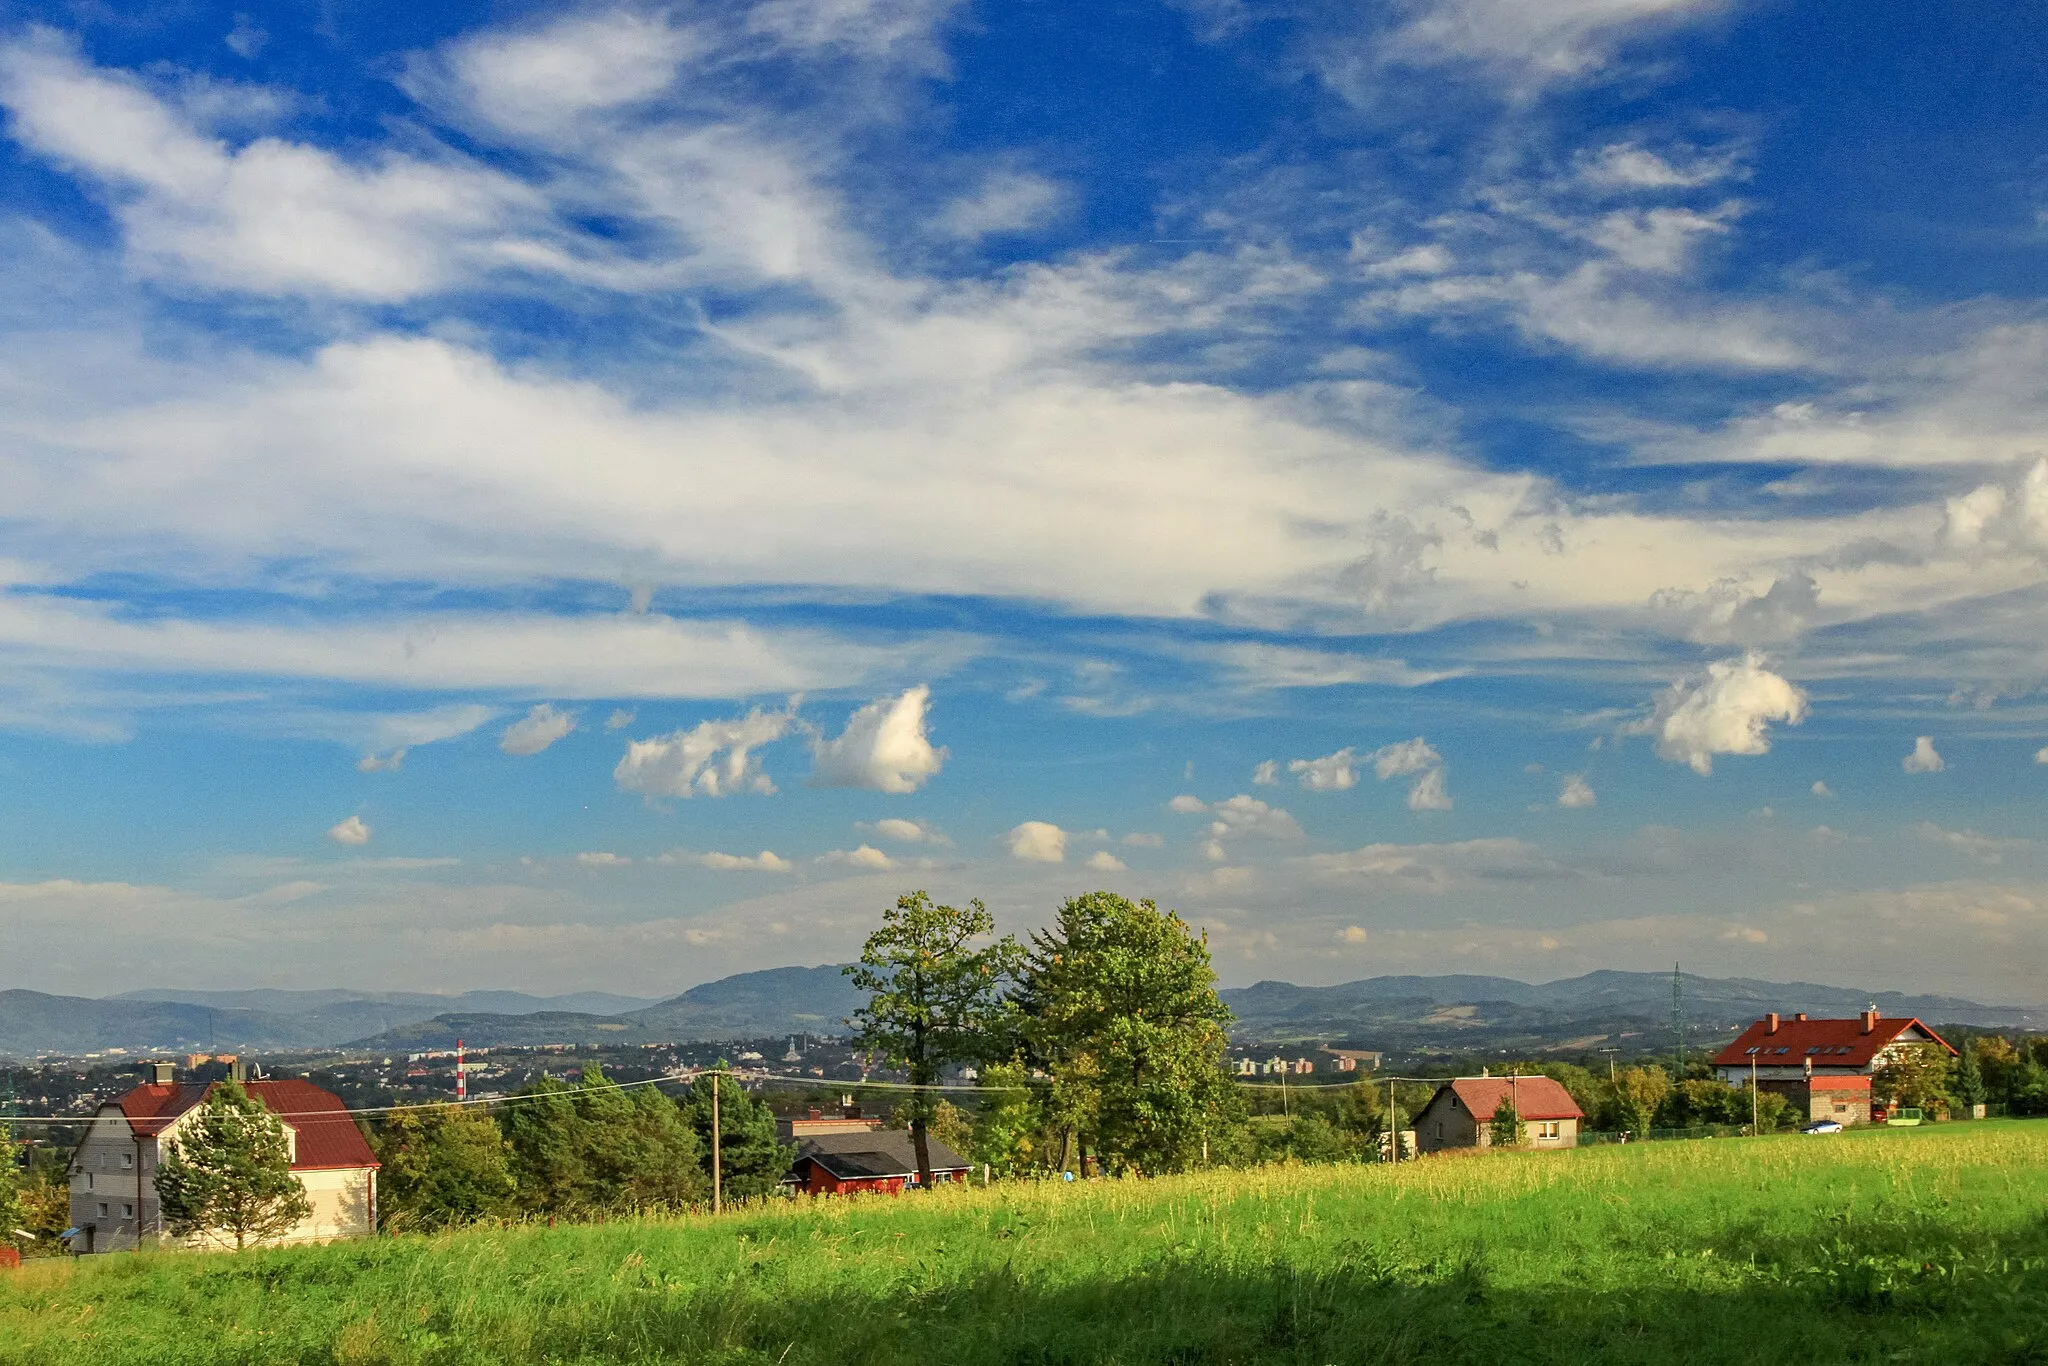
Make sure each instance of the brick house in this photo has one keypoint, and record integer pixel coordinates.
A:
(1822, 1067)
(882, 1162)
(1460, 1114)
(113, 1181)
(847, 1119)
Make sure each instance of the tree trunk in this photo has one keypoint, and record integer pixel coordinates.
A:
(920, 1139)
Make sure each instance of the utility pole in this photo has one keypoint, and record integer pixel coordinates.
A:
(1677, 1026)
(1754, 1127)
(717, 1165)
(1393, 1124)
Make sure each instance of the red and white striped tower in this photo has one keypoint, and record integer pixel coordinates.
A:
(461, 1075)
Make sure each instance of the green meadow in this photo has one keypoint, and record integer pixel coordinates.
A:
(1898, 1245)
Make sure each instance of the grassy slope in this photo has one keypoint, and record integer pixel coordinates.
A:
(1902, 1245)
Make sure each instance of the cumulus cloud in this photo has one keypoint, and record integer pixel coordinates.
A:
(764, 862)
(2041, 755)
(1925, 758)
(619, 719)
(1726, 712)
(1353, 934)
(1267, 773)
(1187, 805)
(2010, 515)
(1409, 756)
(866, 856)
(1822, 790)
(884, 747)
(688, 763)
(351, 831)
(536, 730)
(1576, 792)
(907, 831)
(388, 763)
(1331, 773)
(1245, 815)
(1038, 842)
(1102, 861)
(1427, 793)
(602, 858)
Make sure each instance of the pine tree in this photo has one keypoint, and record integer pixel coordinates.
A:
(598, 1149)
(227, 1170)
(443, 1165)
(751, 1162)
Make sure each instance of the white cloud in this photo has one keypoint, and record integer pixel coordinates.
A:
(1984, 848)
(884, 747)
(1632, 166)
(1727, 712)
(1533, 43)
(1038, 842)
(1331, 773)
(1247, 815)
(1267, 773)
(537, 81)
(602, 858)
(1427, 793)
(1925, 758)
(388, 763)
(1822, 790)
(245, 39)
(1353, 934)
(272, 217)
(1103, 861)
(907, 831)
(620, 719)
(536, 730)
(2041, 755)
(1143, 840)
(686, 763)
(1576, 792)
(764, 862)
(1007, 202)
(866, 856)
(1409, 756)
(352, 831)
(1187, 805)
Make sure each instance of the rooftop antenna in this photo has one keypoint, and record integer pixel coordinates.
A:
(1677, 1024)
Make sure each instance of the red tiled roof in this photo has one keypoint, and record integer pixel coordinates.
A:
(1830, 1043)
(327, 1136)
(1535, 1097)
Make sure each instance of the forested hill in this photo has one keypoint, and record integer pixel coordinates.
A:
(1395, 1013)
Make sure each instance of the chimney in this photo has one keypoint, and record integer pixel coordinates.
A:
(238, 1070)
(162, 1074)
(816, 1113)
(1870, 1021)
(1771, 1023)
(1800, 1016)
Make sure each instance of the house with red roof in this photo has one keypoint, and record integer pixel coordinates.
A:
(1823, 1067)
(113, 1171)
(1460, 1114)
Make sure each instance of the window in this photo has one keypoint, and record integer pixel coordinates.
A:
(1748, 1051)
(88, 1180)
(127, 1161)
(128, 1211)
(103, 1209)
(1549, 1128)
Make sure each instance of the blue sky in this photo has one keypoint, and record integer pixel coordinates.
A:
(560, 497)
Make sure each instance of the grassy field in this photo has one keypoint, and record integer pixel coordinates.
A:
(1900, 1245)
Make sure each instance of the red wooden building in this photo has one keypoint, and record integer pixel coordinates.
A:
(883, 1162)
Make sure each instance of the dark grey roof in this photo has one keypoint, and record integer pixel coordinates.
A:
(882, 1152)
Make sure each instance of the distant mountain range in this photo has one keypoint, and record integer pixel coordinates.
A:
(1397, 1014)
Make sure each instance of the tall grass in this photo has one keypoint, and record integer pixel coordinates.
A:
(1904, 1245)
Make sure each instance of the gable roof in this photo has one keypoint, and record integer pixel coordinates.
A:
(883, 1153)
(1830, 1043)
(1535, 1097)
(327, 1136)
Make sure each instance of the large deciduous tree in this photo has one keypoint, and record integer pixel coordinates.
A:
(1120, 1006)
(10, 1188)
(936, 978)
(1637, 1093)
(1914, 1075)
(443, 1165)
(227, 1171)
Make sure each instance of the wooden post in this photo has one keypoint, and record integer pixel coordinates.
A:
(1754, 1127)
(717, 1165)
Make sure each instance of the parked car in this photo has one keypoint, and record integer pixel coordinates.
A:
(1823, 1126)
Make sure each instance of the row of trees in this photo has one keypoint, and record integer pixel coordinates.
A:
(575, 1151)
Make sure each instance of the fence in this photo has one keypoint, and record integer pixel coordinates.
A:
(1595, 1137)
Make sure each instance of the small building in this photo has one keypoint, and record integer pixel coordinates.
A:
(1460, 1114)
(846, 1120)
(113, 1170)
(882, 1162)
(1822, 1067)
